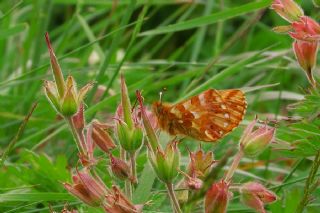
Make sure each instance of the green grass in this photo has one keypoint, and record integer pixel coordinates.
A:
(183, 47)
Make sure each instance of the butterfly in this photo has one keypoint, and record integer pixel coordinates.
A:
(206, 117)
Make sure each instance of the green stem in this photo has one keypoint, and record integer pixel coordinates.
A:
(133, 168)
(77, 138)
(127, 184)
(309, 183)
(173, 198)
(234, 166)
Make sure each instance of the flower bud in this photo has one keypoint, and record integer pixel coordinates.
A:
(69, 105)
(101, 137)
(117, 202)
(166, 163)
(120, 169)
(63, 95)
(130, 139)
(287, 9)
(217, 197)
(200, 163)
(306, 54)
(86, 188)
(254, 142)
(129, 127)
(256, 196)
(305, 29)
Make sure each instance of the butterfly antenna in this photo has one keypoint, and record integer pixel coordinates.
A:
(160, 97)
(161, 94)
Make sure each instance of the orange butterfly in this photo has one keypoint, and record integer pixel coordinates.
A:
(205, 117)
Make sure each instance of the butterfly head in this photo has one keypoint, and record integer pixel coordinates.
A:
(157, 108)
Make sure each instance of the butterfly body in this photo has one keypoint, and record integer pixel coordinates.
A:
(206, 117)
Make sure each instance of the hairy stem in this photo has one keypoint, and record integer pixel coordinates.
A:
(173, 198)
(133, 168)
(127, 184)
(234, 166)
(78, 138)
(309, 183)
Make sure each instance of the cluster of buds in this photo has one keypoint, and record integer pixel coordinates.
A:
(86, 185)
(254, 141)
(63, 94)
(304, 30)
(93, 192)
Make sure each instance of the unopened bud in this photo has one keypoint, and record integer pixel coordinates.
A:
(287, 9)
(130, 139)
(101, 137)
(254, 142)
(86, 188)
(256, 196)
(69, 104)
(217, 198)
(306, 54)
(120, 168)
(166, 163)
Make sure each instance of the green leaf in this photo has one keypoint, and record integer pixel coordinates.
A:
(5, 33)
(142, 193)
(210, 19)
(35, 196)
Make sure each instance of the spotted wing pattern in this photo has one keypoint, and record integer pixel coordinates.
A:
(209, 115)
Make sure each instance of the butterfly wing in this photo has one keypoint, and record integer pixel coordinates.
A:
(209, 115)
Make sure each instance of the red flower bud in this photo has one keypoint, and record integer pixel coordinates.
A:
(101, 137)
(256, 196)
(287, 9)
(86, 188)
(306, 54)
(217, 197)
(120, 168)
(305, 29)
(117, 202)
(254, 142)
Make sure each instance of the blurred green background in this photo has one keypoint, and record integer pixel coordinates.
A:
(183, 46)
